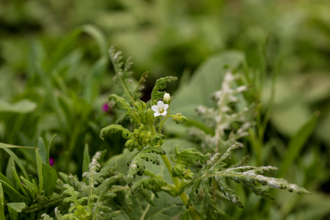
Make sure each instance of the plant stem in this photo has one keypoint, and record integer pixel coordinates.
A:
(194, 214)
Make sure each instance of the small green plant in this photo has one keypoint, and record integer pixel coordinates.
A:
(189, 169)
(155, 177)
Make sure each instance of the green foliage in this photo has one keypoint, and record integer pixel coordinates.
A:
(136, 164)
(160, 85)
(249, 176)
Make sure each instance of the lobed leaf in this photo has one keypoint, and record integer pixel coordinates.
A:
(136, 164)
(160, 85)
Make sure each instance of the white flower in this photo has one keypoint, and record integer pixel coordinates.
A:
(166, 97)
(160, 109)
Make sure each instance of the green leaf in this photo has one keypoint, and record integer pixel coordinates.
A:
(98, 36)
(86, 161)
(18, 182)
(2, 203)
(190, 156)
(15, 208)
(140, 85)
(185, 216)
(296, 144)
(22, 106)
(3, 145)
(136, 164)
(42, 150)
(9, 173)
(13, 194)
(18, 162)
(160, 85)
(205, 81)
(30, 187)
(48, 148)
(49, 176)
(249, 176)
(114, 129)
(39, 171)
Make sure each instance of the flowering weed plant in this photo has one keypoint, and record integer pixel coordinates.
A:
(155, 177)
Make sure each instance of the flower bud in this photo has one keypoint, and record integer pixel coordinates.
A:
(167, 98)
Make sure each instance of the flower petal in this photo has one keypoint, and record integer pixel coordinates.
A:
(164, 113)
(154, 108)
(156, 114)
(166, 107)
(160, 104)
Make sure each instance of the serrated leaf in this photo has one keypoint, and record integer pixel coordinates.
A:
(114, 129)
(160, 85)
(249, 176)
(136, 164)
(140, 85)
(190, 156)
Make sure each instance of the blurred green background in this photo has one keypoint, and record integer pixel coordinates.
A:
(54, 62)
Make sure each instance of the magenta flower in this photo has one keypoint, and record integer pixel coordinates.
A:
(51, 161)
(105, 107)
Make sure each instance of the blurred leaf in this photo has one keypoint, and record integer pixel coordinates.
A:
(296, 144)
(2, 203)
(98, 36)
(206, 80)
(3, 145)
(49, 176)
(42, 150)
(22, 106)
(48, 148)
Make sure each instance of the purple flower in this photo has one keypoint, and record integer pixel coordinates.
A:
(51, 161)
(105, 107)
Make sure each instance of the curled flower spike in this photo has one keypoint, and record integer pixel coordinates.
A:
(160, 109)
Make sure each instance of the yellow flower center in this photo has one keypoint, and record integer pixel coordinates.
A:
(161, 110)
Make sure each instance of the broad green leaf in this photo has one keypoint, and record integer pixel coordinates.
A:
(39, 171)
(23, 106)
(206, 80)
(49, 176)
(13, 194)
(15, 208)
(2, 203)
(296, 144)
(42, 149)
